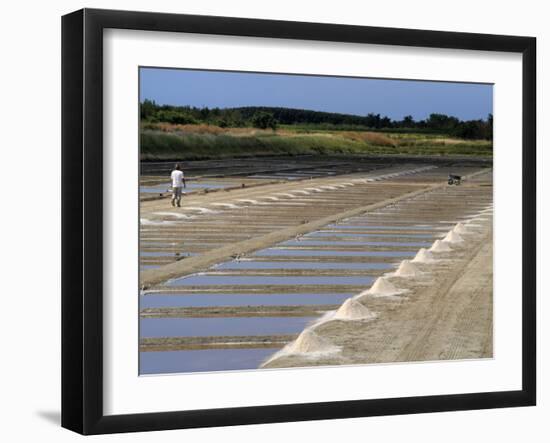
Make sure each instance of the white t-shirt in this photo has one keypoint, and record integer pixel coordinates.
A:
(177, 179)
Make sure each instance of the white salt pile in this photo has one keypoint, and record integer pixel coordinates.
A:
(353, 310)
(382, 287)
(423, 256)
(460, 228)
(201, 210)
(407, 269)
(310, 342)
(440, 246)
(453, 237)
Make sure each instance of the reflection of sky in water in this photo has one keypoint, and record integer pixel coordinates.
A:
(206, 279)
(165, 254)
(163, 188)
(207, 300)
(351, 243)
(351, 234)
(330, 253)
(386, 228)
(165, 362)
(204, 327)
(250, 264)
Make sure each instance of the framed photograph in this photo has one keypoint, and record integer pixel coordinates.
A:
(268, 221)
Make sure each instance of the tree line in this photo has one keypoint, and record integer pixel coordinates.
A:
(270, 117)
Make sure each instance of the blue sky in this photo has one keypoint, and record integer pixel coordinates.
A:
(360, 96)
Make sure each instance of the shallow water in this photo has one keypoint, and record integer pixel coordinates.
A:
(250, 264)
(329, 253)
(155, 254)
(204, 327)
(350, 234)
(275, 177)
(207, 279)
(351, 243)
(158, 189)
(166, 362)
(163, 254)
(156, 244)
(384, 227)
(144, 267)
(220, 299)
(297, 174)
(165, 188)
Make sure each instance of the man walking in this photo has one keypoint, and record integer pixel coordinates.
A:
(178, 183)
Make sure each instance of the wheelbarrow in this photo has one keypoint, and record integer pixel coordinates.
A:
(454, 179)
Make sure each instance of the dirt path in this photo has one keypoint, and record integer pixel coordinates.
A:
(459, 324)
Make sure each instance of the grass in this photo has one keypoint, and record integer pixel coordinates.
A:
(194, 142)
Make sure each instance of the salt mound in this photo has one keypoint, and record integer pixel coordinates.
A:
(407, 269)
(308, 341)
(453, 237)
(423, 256)
(308, 344)
(440, 246)
(460, 228)
(286, 194)
(383, 286)
(353, 310)
(201, 210)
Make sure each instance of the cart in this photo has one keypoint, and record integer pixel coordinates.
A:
(454, 179)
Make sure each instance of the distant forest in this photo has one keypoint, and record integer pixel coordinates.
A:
(271, 117)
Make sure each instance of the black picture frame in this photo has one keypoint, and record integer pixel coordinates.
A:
(82, 218)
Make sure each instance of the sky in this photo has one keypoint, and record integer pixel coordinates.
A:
(358, 96)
